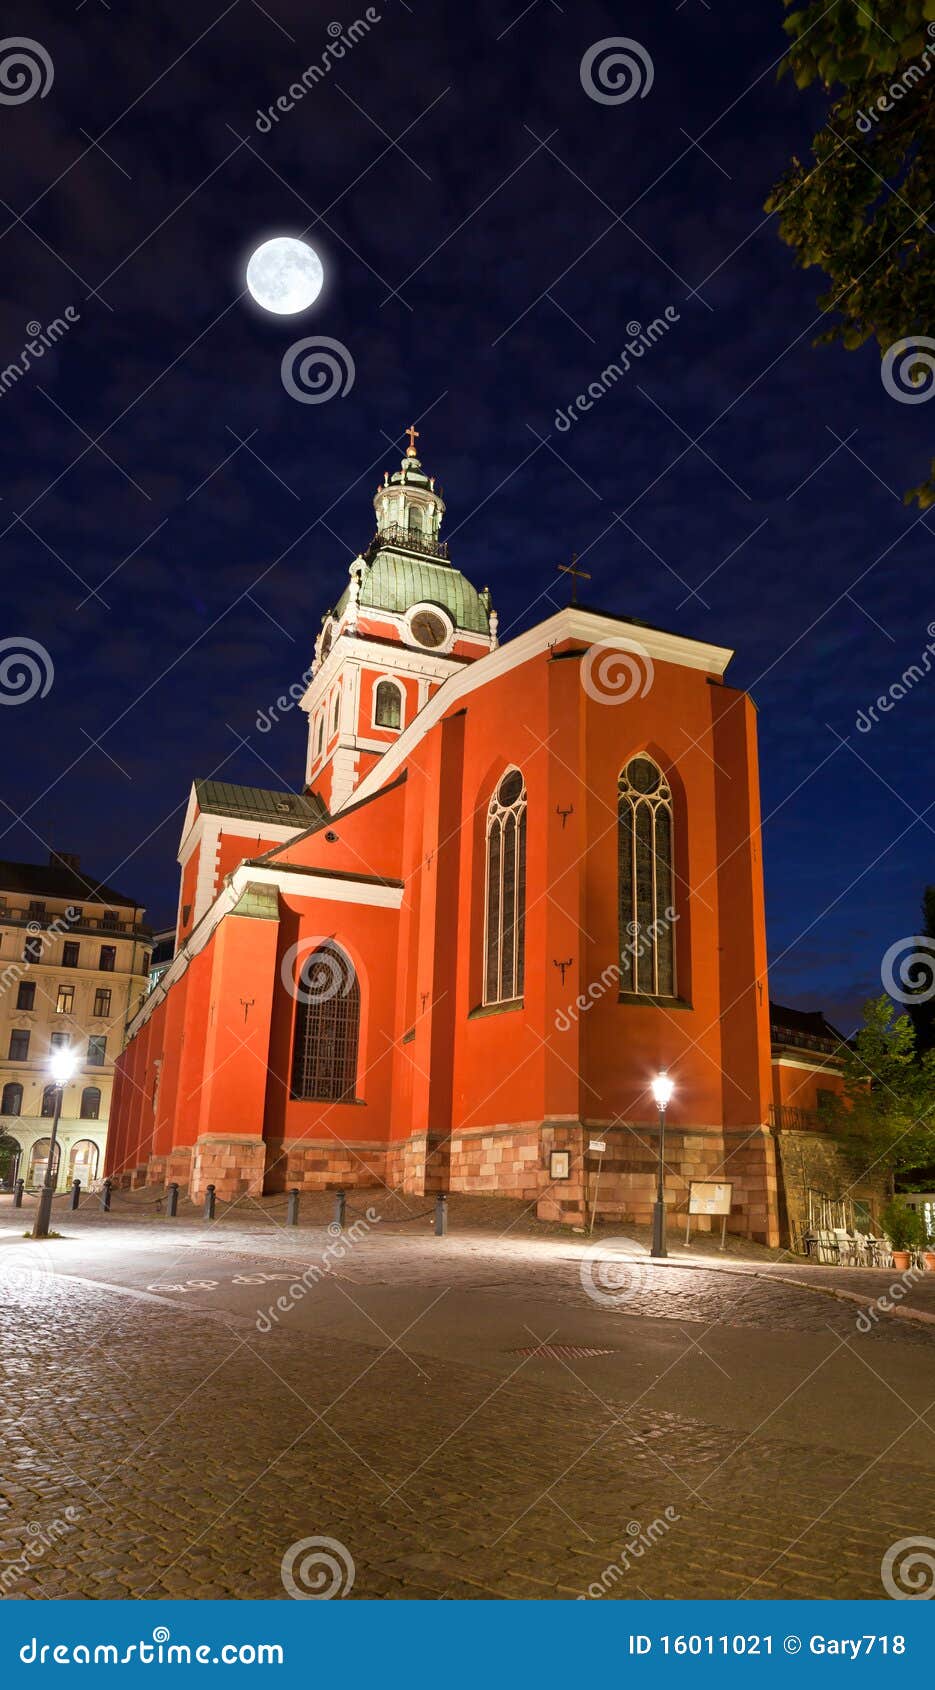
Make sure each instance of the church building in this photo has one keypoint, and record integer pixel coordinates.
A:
(519, 880)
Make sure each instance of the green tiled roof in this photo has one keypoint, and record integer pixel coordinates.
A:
(395, 582)
(257, 804)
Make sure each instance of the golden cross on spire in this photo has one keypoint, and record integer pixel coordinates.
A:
(573, 570)
(413, 434)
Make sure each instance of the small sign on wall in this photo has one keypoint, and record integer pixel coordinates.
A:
(597, 1147)
(709, 1197)
(560, 1164)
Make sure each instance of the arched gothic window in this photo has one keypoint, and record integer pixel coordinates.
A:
(12, 1100)
(644, 832)
(337, 711)
(387, 711)
(48, 1101)
(91, 1103)
(327, 1027)
(505, 911)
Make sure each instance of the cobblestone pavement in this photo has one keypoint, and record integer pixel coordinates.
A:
(157, 1444)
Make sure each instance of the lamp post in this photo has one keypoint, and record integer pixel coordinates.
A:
(61, 1067)
(662, 1089)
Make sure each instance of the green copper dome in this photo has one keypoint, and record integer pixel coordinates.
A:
(392, 581)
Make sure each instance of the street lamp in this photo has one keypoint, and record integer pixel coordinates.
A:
(662, 1089)
(61, 1067)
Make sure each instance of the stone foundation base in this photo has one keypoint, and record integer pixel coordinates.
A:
(510, 1161)
(234, 1166)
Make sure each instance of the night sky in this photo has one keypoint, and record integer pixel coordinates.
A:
(488, 231)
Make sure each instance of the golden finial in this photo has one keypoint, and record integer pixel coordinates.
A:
(413, 434)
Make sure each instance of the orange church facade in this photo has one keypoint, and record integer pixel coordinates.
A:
(520, 880)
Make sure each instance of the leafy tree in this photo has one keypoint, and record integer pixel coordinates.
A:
(886, 1117)
(858, 208)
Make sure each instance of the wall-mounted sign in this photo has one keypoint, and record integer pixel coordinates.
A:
(597, 1147)
(560, 1164)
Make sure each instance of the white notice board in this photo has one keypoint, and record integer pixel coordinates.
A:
(709, 1197)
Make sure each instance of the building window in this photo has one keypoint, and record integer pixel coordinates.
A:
(108, 959)
(91, 1103)
(415, 519)
(48, 1102)
(36, 907)
(644, 838)
(38, 1161)
(327, 1028)
(26, 996)
(73, 913)
(11, 1102)
(70, 952)
(505, 909)
(97, 1050)
(109, 918)
(337, 712)
(321, 734)
(388, 705)
(102, 1001)
(82, 1163)
(19, 1045)
(11, 1152)
(32, 949)
(59, 1041)
(65, 1002)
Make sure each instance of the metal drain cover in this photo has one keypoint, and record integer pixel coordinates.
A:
(558, 1352)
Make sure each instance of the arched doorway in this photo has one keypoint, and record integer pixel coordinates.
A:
(10, 1156)
(82, 1163)
(38, 1161)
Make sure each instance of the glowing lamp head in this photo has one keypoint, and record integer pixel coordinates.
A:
(62, 1066)
(662, 1089)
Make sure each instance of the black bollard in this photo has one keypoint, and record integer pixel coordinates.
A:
(18, 1194)
(209, 1203)
(441, 1214)
(105, 1196)
(340, 1207)
(172, 1200)
(75, 1192)
(292, 1211)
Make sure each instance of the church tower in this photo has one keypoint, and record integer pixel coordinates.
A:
(406, 621)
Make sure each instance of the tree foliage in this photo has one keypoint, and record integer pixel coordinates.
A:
(862, 208)
(885, 1120)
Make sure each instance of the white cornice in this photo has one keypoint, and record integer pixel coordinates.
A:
(294, 883)
(573, 623)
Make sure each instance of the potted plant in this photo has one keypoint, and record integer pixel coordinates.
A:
(903, 1227)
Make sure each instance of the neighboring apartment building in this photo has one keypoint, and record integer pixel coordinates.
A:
(74, 966)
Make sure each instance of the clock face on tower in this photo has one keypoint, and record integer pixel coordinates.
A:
(428, 628)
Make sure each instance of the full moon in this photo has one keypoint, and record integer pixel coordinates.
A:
(284, 275)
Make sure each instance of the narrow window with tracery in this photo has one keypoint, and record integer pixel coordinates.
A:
(327, 1027)
(505, 906)
(646, 919)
